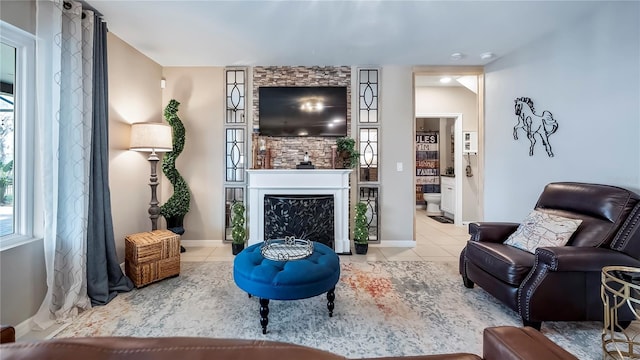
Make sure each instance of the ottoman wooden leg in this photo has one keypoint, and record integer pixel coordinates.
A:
(330, 297)
(264, 314)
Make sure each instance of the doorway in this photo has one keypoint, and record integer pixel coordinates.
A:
(447, 136)
(460, 102)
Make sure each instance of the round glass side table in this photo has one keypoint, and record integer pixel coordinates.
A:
(620, 293)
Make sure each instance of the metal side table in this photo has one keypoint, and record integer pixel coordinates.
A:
(620, 293)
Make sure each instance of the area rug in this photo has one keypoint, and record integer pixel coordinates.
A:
(381, 309)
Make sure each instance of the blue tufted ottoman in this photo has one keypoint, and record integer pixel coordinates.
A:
(287, 280)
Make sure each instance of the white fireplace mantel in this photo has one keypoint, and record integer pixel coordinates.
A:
(300, 182)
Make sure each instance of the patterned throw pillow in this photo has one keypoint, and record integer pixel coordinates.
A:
(540, 229)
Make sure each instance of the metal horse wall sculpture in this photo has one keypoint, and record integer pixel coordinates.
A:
(534, 125)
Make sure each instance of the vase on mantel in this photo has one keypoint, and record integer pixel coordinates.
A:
(334, 153)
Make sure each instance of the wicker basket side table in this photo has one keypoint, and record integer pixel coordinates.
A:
(152, 256)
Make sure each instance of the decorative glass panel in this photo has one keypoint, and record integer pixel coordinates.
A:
(368, 154)
(235, 92)
(370, 195)
(232, 195)
(235, 154)
(368, 95)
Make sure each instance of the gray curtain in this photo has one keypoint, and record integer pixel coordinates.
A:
(104, 276)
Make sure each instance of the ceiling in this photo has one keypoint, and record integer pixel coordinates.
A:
(324, 32)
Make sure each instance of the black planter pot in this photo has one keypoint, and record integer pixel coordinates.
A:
(362, 248)
(236, 248)
(175, 224)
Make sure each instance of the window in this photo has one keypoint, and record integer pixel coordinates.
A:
(17, 116)
(7, 80)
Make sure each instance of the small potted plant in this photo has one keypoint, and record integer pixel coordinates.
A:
(360, 229)
(238, 232)
(347, 152)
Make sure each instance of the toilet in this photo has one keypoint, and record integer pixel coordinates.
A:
(433, 203)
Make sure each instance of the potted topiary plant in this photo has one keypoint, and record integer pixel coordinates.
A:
(177, 206)
(347, 152)
(238, 231)
(360, 229)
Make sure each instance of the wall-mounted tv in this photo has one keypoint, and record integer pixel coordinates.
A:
(303, 111)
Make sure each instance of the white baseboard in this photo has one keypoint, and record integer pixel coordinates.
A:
(395, 243)
(24, 332)
(203, 243)
(23, 328)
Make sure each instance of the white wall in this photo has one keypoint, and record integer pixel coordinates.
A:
(588, 76)
(397, 137)
(200, 92)
(134, 96)
(19, 13)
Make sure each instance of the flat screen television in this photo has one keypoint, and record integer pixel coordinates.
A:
(303, 111)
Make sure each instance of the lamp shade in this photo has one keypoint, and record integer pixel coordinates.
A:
(151, 137)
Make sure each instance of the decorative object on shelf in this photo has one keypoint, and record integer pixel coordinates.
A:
(534, 125)
(334, 153)
(305, 164)
(262, 154)
(267, 159)
(254, 150)
(347, 152)
(286, 249)
(177, 206)
(360, 229)
(152, 138)
(238, 231)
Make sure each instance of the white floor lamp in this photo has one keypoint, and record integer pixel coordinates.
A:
(152, 138)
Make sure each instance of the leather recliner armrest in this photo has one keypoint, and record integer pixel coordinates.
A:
(572, 258)
(7, 334)
(508, 342)
(495, 232)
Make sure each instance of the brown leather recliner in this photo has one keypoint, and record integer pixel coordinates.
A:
(499, 343)
(558, 283)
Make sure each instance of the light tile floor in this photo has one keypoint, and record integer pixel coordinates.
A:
(434, 242)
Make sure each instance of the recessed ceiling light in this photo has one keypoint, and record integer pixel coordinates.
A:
(445, 80)
(487, 56)
(456, 56)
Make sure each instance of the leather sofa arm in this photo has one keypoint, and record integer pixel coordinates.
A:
(507, 342)
(495, 232)
(573, 258)
(7, 334)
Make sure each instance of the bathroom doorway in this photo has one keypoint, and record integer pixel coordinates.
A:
(438, 150)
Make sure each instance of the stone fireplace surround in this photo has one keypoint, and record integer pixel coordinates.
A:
(300, 182)
(286, 152)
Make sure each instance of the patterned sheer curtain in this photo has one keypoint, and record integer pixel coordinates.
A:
(65, 69)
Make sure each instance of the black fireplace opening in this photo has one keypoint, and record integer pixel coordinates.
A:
(308, 217)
